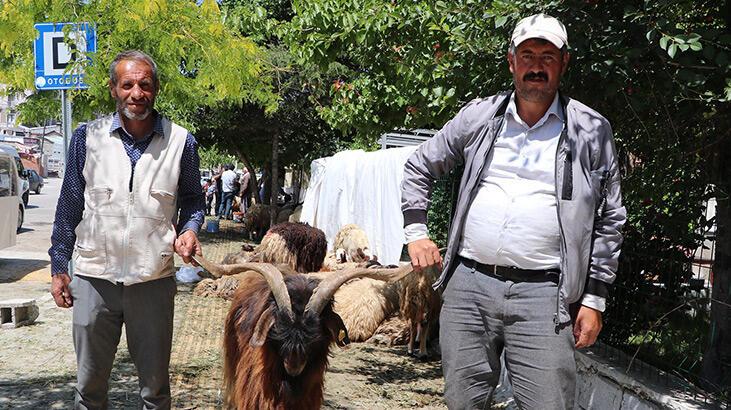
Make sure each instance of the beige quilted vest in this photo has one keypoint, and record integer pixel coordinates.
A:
(128, 236)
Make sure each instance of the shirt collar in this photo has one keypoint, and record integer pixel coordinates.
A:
(157, 129)
(554, 109)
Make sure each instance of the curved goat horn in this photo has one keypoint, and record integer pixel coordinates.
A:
(271, 274)
(328, 286)
(218, 270)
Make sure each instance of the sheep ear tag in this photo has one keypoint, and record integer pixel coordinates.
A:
(261, 330)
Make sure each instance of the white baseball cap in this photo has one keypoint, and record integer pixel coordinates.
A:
(540, 26)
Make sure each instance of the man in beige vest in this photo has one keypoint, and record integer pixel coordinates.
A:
(128, 177)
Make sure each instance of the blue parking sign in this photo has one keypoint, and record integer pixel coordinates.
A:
(55, 57)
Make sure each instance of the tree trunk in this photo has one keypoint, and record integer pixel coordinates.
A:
(274, 180)
(42, 164)
(716, 371)
(253, 183)
(297, 189)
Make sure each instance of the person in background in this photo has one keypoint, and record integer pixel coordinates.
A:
(264, 188)
(210, 191)
(228, 185)
(219, 189)
(244, 190)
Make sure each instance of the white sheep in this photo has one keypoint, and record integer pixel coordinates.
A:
(296, 214)
(351, 244)
(363, 303)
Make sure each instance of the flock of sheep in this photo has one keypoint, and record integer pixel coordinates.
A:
(292, 301)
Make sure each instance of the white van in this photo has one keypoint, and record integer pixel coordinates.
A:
(22, 173)
(12, 210)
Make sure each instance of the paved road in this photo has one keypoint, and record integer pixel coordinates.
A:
(25, 268)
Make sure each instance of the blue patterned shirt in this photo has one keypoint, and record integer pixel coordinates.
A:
(70, 206)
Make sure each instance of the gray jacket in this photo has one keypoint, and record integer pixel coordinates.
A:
(589, 202)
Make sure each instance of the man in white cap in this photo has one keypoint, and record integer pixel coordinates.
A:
(536, 233)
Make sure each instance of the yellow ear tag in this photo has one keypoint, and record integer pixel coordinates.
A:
(341, 335)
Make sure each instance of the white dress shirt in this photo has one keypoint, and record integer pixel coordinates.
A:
(513, 220)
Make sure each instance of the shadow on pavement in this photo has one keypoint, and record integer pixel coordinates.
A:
(35, 393)
(12, 270)
(378, 371)
(57, 391)
(24, 229)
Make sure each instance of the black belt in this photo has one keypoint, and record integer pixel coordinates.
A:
(511, 273)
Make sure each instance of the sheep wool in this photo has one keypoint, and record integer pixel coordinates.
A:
(363, 303)
(351, 244)
(298, 245)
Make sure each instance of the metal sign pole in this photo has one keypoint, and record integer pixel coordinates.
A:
(66, 121)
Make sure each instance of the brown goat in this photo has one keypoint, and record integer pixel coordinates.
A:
(279, 332)
(256, 221)
(420, 305)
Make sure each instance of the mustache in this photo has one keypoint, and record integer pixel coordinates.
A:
(143, 100)
(540, 75)
(122, 102)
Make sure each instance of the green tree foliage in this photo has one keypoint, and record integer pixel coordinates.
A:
(39, 109)
(212, 156)
(201, 61)
(249, 130)
(407, 63)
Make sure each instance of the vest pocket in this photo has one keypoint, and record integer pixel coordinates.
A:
(166, 199)
(90, 250)
(100, 196)
(160, 241)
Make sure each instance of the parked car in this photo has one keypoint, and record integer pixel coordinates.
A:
(22, 174)
(35, 181)
(12, 210)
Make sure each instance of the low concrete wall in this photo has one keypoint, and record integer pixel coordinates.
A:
(604, 383)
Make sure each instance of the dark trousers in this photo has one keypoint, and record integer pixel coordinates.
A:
(209, 203)
(245, 200)
(100, 309)
(219, 199)
(483, 316)
(224, 210)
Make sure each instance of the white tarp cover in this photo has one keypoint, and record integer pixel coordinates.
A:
(363, 188)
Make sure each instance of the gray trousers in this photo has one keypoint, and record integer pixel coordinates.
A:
(100, 309)
(481, 317)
